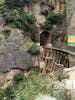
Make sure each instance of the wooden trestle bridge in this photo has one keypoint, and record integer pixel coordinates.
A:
(55, 58)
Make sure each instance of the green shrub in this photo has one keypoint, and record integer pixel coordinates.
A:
(28, 23)
(18, 77)
(2, 94)
(11, 15)
(53, 19)
(21, 20)
(17, 24)
(34, 50)
(9, 93)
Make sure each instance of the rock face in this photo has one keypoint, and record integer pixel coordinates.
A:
(70, 82)
(12, 52)
(36, 7)
(13, 55)
(70, 12)
(6, 78)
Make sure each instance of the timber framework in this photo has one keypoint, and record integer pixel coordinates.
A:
(55, 58)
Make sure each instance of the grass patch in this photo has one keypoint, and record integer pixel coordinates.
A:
(28, 88)
(18, 78)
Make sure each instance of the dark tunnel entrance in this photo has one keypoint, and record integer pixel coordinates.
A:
(44, 38)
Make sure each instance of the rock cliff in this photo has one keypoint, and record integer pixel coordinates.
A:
(12, 51)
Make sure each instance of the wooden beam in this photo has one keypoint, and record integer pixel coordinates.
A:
(61, 50)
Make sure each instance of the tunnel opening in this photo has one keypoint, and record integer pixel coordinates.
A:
(44, 38)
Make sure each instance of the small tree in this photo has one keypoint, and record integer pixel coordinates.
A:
(51, 21)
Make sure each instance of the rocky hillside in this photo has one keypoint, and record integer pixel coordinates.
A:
(20, 27)
(39, 7)
(13, 52)
(12, 42)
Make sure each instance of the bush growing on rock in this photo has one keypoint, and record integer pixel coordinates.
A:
(34, 50)
(11, 15)
(28, 23)
(53, 19)
(18, 77)
(24, 21)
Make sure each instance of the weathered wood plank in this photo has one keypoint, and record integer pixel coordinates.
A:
(55, 57)
(61, 50)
